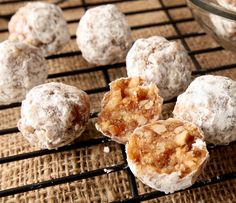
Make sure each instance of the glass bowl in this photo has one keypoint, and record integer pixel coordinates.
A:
(218, 18)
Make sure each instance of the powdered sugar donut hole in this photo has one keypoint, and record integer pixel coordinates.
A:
(129, 104)
(53, 115)
(22, 67)
(167, 155)
(41, 25)
(162, 62)
(210, 103)
(103, 35)
(224, 27)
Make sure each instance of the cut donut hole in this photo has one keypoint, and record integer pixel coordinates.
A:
(129, 104)
(167, 155)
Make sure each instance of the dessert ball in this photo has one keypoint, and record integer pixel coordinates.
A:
(41, 25)
(210, 103)
(162, 62)
(103, 35)
(224, 27)
(167, 155)
(228, 4)
(22, 67)
(127, 105)
(53, 115)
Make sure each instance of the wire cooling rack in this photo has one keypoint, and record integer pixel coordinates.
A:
(167, 8)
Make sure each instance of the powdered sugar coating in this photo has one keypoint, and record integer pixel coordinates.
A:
(103, 35)
(22, 67)
(167, 183)
(228, 4)
(53, 115)
(223, 26)
(162, 62)
(142, 166)
(210, 103)
(41, 25)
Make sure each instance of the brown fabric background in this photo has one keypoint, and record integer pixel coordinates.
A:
(112, 186)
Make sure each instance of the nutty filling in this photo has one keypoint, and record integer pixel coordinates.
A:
(167, 148)
(128, 105)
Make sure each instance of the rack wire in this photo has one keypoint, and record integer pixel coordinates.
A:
(135, 196)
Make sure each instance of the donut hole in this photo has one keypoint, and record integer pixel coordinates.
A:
(41, 25)
(53, 121)
(167, 147)
(165, 63)
(103, 35)
(129, 104)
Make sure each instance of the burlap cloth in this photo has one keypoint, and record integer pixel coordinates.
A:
(112, 186)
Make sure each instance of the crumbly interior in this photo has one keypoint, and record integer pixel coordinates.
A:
(128, 105)
(167, 146)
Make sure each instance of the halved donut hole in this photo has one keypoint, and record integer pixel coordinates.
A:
(127, 105)
(167, 147)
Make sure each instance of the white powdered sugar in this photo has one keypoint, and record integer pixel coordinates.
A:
(103, 35)
(228, 4)
(210, 103)
(199, 143)
(41, 25)
(224, 27)
(106, 149)
(22, 67)
(162, 62)
(53, 115)
(167, 183)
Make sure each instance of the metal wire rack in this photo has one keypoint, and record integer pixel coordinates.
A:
(135, 196)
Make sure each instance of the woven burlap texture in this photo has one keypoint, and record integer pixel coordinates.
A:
(112, 186)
